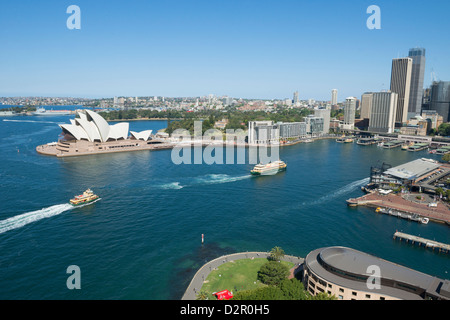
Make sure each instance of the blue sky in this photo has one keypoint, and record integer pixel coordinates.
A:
(245, 48)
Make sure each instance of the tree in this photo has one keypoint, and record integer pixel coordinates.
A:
(446, 157)
(293, 289)
(444, 129)
(202, 295)
(273, 272)
(439, 191)
(323, 296)
(276, 253)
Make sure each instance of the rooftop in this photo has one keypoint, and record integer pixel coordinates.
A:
(413, 169)
(349, 268)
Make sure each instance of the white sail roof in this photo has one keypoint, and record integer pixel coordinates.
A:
(93, 127)
(143, 135)
(102, 125)
(119, 130)
(75, 131)
(89, 127)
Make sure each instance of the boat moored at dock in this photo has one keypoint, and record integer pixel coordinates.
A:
(270, 168)
(345, 139)
(367, 141)
(392, 144)
(404, 215)
(418, 147)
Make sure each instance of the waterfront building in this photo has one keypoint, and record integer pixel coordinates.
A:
(325, 114)
(292, 129)
(366, 105)
(268, 132)
(417, 75)
(440, 99)
(347, 274)
(401, 84)
(263, 132)
(433, 117)
(90, 126)
(382, 112)
(89, 133)
(334, 93)
(416, 126)
(314, 125)
(412, 175)
(349, 113)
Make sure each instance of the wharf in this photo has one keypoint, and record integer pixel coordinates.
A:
(392, 144)
(418, 147)
(427, 243)
(439, 213)
(367, 141)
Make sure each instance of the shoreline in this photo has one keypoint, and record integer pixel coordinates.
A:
(84, 148)
(202, 273)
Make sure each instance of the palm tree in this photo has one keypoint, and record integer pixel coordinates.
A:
(202, 295)
(276, 253)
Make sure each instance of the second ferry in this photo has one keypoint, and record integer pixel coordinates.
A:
(269, 169)
(86, 197)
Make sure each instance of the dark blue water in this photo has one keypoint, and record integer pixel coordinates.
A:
(142, 240)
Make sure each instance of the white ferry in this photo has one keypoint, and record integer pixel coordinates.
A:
(269, 169)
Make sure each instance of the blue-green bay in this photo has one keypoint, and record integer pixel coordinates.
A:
(142, 240)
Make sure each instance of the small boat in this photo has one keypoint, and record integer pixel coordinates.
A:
(86, 197)
(344, 139)
(425, 220)
(269, 169)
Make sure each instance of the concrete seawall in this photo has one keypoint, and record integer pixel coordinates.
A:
(197, 281)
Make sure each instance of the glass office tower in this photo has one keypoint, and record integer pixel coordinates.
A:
(417, 74)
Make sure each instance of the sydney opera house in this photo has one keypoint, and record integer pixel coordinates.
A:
(90, 133)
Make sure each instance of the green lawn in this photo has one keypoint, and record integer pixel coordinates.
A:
(235, 276)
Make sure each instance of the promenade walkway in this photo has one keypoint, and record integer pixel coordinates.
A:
(201, 275)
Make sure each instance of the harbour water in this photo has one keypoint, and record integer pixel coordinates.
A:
(142, 240)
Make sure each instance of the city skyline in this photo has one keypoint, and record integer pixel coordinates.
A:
(236, 49)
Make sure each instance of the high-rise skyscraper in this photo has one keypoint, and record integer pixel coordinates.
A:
(418, 70)
(325, 114)
(366, 105)
(401, 84)
(295, 99)
(349, 113)
(440, 99)
(382, 112)
(334, 97)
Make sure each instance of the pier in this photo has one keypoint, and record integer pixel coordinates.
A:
(427, 243)
(438, 213)
(392, 144)
(418, 147)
